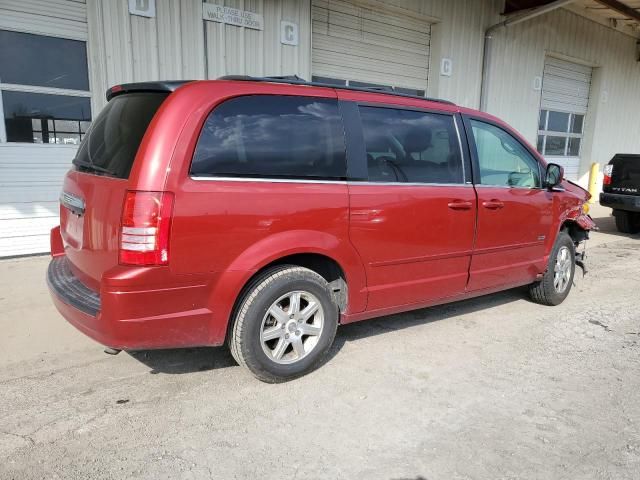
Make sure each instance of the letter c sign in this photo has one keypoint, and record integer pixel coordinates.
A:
(288, 33)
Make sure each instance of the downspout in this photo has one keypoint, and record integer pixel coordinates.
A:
(488, 44)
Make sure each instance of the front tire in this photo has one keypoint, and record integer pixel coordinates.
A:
(285, 324)
(557, 280)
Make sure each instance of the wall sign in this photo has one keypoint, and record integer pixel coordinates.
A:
(537, 83)
(446, 67)
(288, 33)
(232, 16)
(143, 8)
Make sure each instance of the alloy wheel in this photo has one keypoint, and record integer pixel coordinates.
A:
(562, 270)
(292, 327)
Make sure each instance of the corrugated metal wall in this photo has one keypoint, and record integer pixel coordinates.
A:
(518, 57)
(457, 35)
(124, 47)
(178, 44)
(243, 51)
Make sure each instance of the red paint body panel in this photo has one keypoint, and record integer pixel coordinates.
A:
(414, 247)
(400, 248)
(510, 242)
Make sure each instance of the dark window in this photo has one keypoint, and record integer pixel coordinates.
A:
(560, 133)
(354, 83)
(558, 122)
(576, 123)
(574, 147)
(28, 59)
(409, 91)
(555, 145)
(113, 139)
(378, 86)
(542, 121)
(40, 118)
(329, 81)
(502, 159)
(411, 146)
(274, 137)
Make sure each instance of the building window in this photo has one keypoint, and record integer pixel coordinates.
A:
(44, 89)
(355, 83)
(560, 133)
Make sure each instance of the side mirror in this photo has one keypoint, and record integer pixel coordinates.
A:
(553, 176)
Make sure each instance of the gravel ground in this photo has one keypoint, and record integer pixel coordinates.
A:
(491, 388)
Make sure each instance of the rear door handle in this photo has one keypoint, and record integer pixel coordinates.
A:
(460, 205)
(493, 204)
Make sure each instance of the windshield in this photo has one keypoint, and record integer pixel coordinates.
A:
(112, 141)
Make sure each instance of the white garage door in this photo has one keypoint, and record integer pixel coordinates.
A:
(44, 111)
(364, 46)
(30, 183)
(565, 99)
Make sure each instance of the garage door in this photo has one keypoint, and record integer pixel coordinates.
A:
(30, 183)
(363, 46)
(44, 112)
(565, 100)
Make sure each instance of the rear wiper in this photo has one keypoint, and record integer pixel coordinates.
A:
(93, 167)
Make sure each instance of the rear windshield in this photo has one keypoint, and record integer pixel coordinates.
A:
(113, 138)
(625, 177)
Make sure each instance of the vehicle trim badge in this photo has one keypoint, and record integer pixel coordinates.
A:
(72, 202)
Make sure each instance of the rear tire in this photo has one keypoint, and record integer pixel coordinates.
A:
(557, 280)
(627, 222)
(285, 324)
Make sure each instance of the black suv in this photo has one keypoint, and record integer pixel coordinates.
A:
(621, 191)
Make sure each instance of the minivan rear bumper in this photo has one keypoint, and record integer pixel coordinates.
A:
(630, 203)
(127, 317)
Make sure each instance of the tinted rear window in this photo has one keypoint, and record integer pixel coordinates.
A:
(625, 177)
(272, 136)
(113, 138)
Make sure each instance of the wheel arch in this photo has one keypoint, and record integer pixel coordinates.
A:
(325, 254)
(574, 230)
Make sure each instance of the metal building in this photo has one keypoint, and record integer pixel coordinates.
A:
(565, 73)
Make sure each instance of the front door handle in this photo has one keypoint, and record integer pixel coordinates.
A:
(460, 205)
(493, 204)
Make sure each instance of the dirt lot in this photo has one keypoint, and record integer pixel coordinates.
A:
(491, 388)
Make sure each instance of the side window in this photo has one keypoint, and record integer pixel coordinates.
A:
(411, 146)
(502, 159)
(272, 136)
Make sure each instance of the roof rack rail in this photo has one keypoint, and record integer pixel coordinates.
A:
(296, 80)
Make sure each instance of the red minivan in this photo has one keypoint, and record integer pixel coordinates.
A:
(264, 212)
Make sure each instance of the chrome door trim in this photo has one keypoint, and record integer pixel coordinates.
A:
(410, 184)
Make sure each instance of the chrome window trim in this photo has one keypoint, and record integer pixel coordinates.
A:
(339, 182)
(462, 159)
(410, 184)
(518, 187)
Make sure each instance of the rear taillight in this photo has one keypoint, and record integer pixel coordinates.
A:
(608, 171)
(144, 228)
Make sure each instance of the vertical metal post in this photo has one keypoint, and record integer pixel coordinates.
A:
(593, 181)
